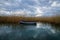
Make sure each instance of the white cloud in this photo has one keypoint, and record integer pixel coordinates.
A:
(21, 13)
(55, 4)
(15, 13)
(38, 11)
(6, 3)
(4, 13)
(50, 1)
(18, 13)
(37, 1)
(18, 8)
(10, 3)
(18, 0)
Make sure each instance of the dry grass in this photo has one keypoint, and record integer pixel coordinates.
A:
(16, 19)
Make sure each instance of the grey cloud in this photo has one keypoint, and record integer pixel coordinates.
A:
(31, 6)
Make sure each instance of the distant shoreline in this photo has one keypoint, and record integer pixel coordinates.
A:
(16, 19)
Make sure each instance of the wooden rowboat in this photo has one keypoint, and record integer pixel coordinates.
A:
(27, 23)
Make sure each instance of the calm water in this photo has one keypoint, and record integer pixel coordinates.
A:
(41, 31)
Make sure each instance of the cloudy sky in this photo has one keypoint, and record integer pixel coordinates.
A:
(29, 7)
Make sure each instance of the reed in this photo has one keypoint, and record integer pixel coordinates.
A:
(16, 19)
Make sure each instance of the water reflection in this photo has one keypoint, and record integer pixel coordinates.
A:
(41, 31)
(46, 27)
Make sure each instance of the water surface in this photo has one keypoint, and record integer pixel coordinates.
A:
(41, 31)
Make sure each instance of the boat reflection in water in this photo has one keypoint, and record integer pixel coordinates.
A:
(40, 31)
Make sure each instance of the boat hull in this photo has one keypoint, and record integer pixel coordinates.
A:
(28, 23)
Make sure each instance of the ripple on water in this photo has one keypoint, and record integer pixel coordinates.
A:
(41, 31)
